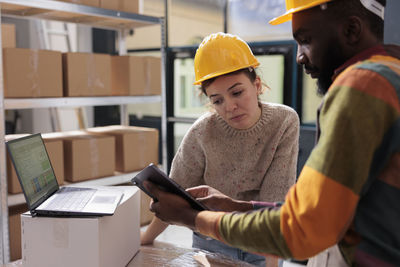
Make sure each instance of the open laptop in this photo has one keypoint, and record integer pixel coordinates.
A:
(42, 192)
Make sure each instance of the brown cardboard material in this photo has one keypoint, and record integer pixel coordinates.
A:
(130, 6)
(8, 38)
(14, 225)
(135, 147)
(87, 74)
(86, 156)
(95, 3)
(153, 72)
(141, 75)
(32, 73)
(121, 73)
(54, 149)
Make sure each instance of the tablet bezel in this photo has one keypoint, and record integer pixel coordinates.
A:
(153, 174)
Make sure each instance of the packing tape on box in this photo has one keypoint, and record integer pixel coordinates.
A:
(142, 149)
(60, 233)
(33, 75)
(94, 80)
(147, 78)
(94, 158)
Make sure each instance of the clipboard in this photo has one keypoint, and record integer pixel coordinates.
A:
(153, 174)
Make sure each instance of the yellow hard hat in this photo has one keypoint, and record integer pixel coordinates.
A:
(294, 6)
(221, 53)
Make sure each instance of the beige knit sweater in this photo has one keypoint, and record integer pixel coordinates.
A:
(253, 164)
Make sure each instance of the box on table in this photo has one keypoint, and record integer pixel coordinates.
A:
(56, 154)
(8, 38)
(130, 6)
(95, 3)
(136, 75)
(95, 241)
(135, 147)
(87, 74)
(86, 156)
(14, 225)
(32, 73)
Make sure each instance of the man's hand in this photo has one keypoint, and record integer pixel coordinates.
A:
(171, 208)
(215, 200)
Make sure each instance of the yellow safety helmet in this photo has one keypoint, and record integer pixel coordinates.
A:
(294, 6)
(221, 53)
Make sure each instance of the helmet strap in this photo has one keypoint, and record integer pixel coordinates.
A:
(375, 7)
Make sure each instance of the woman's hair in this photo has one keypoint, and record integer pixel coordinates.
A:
(249, 72)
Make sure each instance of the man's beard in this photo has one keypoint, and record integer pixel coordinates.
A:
(323, 83)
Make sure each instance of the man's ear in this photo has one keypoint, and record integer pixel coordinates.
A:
(352, 30)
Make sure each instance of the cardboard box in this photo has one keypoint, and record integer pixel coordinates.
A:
(32, 73)
(87, 74)
(95, 3)
(136, 74)
(122, 71)
(89, 242)
(8, 38)
(86, 156)
(135, 147)
(153, 72)
(130, 6)
(14, 225)
(56, 154)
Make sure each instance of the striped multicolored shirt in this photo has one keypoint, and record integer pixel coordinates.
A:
(348, 193)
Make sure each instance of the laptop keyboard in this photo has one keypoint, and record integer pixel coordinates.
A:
(71, 199)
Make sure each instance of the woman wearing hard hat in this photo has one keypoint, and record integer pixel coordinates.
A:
(244, 148)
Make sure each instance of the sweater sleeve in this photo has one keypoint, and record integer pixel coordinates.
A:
(319, 208)
(189, 162)
(281, 173)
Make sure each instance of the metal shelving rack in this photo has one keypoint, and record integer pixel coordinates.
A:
(122, 22)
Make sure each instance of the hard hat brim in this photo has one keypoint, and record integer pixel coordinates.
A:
(287, 16)
(220, 73)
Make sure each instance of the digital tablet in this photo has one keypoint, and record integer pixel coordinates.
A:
(153, 174)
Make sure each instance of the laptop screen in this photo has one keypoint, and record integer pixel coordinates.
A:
(33, 168)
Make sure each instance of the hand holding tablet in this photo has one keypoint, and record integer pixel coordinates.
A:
(153, 174)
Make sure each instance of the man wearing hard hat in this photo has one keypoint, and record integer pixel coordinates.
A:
(345, 206)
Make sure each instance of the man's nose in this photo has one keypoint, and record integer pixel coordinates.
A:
(301, 58)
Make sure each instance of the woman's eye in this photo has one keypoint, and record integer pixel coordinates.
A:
(237, 93)
(217, 102)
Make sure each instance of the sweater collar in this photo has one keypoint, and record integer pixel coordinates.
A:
(363, 55)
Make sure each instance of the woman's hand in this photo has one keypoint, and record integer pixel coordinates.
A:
(215, 200)
(171, 208)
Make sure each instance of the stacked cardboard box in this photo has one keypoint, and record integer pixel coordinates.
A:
(87, 74)
(136, 75)
(135, 147)
(32, 73)
(54, 149)
(8, 39)
(86, 156)
(14, 225)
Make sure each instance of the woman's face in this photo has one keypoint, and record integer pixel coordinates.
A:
(235, 98)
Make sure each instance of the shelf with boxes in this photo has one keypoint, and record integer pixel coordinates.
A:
(55, 72)
(109, 155)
